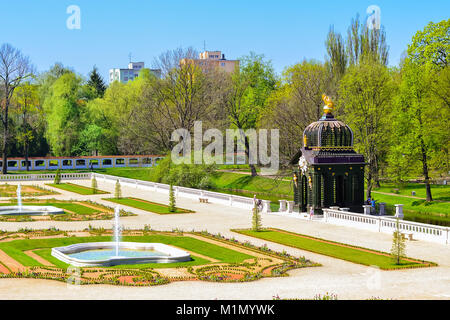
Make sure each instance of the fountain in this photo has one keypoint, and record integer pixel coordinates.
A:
(117, 229)
(28, 210)
(90, 254)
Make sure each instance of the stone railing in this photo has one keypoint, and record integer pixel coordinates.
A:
(418, 231)
(212, 197)
(44, 176)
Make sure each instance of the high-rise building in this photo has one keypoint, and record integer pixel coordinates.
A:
(125, 75)
(211, 59)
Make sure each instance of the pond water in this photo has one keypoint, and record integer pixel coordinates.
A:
(104, 254)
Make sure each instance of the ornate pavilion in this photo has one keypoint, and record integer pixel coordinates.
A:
(327, 170)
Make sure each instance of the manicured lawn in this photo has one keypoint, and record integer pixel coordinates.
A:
(333, 249)
(76, 188)
(439, 192)
(147, 205)
(15, 249)
(418, 210)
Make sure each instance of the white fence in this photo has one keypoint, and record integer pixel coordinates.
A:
(419, 231)
(213, 197)
(44, 176)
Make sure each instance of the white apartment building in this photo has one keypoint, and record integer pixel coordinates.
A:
(125, 75)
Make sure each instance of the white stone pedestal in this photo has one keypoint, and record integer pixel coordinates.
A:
(367, 208)
(282, 205)
(399, 211)
(290, 206)
(382, 208)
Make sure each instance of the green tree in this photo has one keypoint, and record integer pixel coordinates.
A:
(118, 190)
(14, 69)
(96, 83)
(365, 101)
(248, 95)
(64, 108)
(419, 132)
(57, 177)
(296, 102)
(172, 204)
(256, 216)
(26, 108)
(94, 185)
(398, 250)
(432, 45)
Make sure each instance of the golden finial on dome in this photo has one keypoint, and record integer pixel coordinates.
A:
(328, 103)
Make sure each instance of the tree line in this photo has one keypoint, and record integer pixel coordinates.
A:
(398, 114)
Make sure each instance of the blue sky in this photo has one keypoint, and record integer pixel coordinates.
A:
(285, 31)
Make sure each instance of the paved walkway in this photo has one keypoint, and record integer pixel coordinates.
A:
(347, 280)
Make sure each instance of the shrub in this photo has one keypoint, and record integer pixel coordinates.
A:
(57, 177)
(118, 190)
(94, 185)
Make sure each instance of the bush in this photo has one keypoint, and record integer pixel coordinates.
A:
(185, 175)
(57, 177)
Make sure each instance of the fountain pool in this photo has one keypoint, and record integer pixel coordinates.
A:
(28, 210)
(91, 254)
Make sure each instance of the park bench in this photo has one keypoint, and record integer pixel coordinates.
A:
(203, 200)
(409, 235)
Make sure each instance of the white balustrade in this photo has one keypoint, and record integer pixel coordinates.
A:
(419, 231)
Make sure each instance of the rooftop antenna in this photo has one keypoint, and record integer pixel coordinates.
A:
(129, 57)
(204, 45)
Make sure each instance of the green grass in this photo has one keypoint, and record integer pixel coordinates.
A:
(147, 205)
(16, 249)
(439, 192)
(76, 188)
(417, 210)
(73, 207)
(329, 249)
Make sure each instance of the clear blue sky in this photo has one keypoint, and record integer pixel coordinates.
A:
(285, 31)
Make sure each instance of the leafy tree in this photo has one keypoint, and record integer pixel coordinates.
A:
(365, 100)
(57, 177)
(14, 69)
(366, 44)
(419, 131)
(26, 103)
(118, 190)
(64, 107)
(432, 45)
(248, 95)
(94, 185)
(96, 83)
(256, 216)
(296, 103)
(172, 204)
(398, 244)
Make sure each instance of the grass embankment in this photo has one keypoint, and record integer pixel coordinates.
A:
(439, 192)
(15, 249)
(334, 249)
(147, 205)
(417, 210)
(76, 188)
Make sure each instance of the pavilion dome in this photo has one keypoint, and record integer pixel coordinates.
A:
(328, 133)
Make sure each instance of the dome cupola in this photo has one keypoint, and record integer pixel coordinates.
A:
(328, 133)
